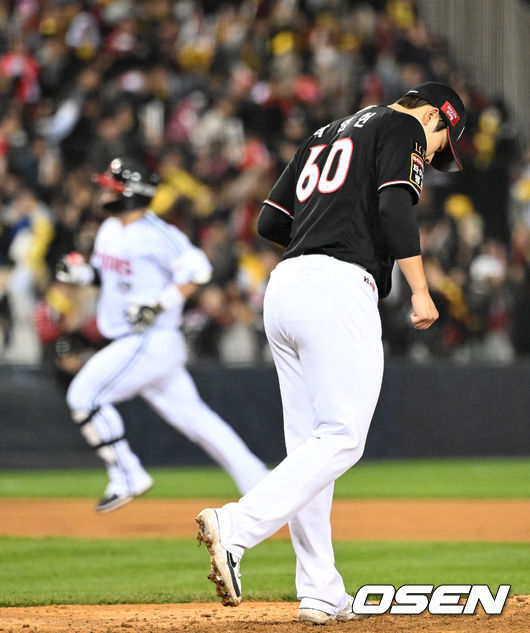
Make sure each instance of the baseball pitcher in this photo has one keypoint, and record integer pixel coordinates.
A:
(343, 210)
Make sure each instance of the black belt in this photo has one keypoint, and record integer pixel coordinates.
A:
(315, 251)
(319, 251)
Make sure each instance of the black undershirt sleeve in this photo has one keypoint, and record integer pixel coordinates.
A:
(398, 222)
(274, 225)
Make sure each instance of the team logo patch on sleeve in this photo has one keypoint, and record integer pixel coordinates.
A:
(416, 170)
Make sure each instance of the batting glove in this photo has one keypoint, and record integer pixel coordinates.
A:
(73, 269)
(141, 316)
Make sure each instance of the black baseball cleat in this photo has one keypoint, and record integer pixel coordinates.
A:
(114, 500)
(224, 572)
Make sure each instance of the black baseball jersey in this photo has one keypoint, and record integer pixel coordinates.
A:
(331, 187)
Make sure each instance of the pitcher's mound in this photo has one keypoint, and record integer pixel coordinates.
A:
(249, 617)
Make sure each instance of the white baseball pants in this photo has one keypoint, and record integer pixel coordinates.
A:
(324, 329)
(151, 365)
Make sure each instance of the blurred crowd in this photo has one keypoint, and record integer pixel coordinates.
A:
(215, 97)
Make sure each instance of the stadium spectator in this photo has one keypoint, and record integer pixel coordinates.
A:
(216, 97)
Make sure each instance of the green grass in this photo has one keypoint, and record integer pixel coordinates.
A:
(80, 571)
(494, 478)
(39, 571)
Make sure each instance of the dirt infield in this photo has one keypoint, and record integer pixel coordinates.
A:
(356, 520)
(249, 617)
(427, 520)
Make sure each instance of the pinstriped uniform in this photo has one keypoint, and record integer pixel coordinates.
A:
(136, 262)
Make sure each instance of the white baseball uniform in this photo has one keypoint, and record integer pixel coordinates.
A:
(136, 262)
(324, 330)
(343, 210)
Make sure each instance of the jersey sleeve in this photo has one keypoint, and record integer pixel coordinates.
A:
(281, 196)
(185, 262)
(188, 264)
(398, 222)
(192, 266)
(95, 259)
(273, 225)
(400, 153)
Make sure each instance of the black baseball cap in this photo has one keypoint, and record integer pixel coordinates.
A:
(453, 113)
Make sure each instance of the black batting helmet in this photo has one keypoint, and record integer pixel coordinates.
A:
(132, 183)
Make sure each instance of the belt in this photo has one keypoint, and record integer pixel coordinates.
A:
(315, 251)
(319, 251)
